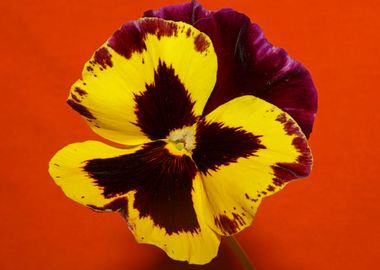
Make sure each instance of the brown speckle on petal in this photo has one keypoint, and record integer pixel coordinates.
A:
(285, 171)
(80, 91)
(82, 110)
(117, 204)
(103, 58)
(289, 125)
(229, 226)
(251, 199)
(130, 38)
(188, 32)
(200, 42)
(75, 98)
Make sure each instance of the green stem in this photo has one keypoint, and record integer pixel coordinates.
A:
(239, 253)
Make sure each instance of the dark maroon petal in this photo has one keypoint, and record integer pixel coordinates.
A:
(249, 64)
(162, 181)
(187, 12)
(165, 105)
(218, 145)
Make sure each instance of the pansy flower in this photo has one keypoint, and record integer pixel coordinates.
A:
(198, 145)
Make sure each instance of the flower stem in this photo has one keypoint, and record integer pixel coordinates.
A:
(239, 253)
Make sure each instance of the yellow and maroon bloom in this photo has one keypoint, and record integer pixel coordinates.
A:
(198, 157)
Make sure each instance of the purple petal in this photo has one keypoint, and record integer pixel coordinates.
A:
(188, 12)
(249, 64)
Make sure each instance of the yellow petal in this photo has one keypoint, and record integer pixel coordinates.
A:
(157, 192)
(152, 76)
(67, 170)
(234, 189)
(197, 247)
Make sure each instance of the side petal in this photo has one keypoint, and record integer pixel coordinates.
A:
(249, 64)
(152, 76)
(67, 168)
(196, 247)
(264, 152)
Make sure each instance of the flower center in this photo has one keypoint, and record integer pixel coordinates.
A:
(181, 141)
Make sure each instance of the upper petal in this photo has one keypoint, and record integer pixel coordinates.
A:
(243, 159)
(189, 12)
(151, 76)
(249, 64)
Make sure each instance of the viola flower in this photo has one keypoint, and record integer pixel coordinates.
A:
(197, 150)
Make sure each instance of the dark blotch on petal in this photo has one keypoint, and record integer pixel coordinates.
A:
(103, 58)
(82, 110)
(80, 91)
(127, 40)
(289, 126)
(74, 97)
(249, 198)
(229, 226)
(200, 42)
(164, 105)
(159, 27)
(115, 205)
(285, 172)
(130, 38)
(218, 145)
(162, 181)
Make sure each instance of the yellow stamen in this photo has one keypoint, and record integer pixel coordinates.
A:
(181, 141)
(180, 146)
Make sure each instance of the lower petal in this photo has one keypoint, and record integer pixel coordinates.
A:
(157, 192)
(235, 189)
(196, 247)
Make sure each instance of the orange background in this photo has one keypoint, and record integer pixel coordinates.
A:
(329, 221)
